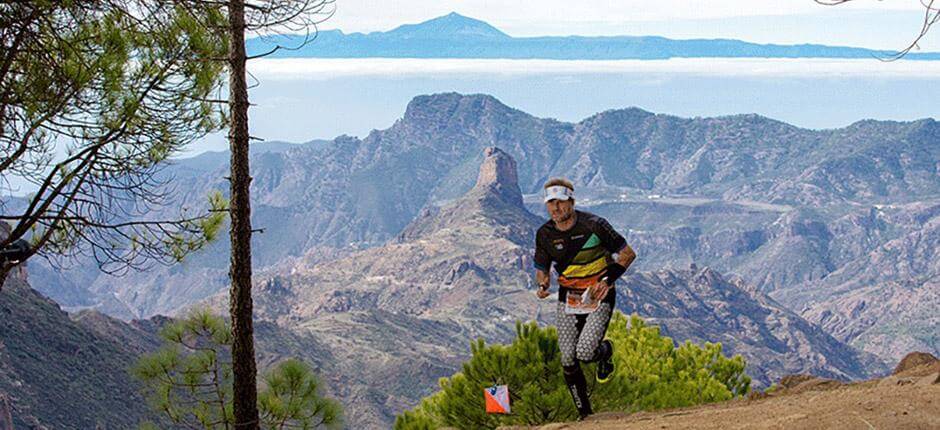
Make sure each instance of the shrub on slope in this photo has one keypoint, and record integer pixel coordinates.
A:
(652, 373)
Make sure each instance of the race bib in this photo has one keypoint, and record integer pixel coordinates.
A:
(580, 302)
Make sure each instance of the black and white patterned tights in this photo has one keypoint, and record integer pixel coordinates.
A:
(580, 335)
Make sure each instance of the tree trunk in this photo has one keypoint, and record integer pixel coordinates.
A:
(6, 419)
(243, 350)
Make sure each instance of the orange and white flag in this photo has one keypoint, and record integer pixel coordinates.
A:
(497, 399)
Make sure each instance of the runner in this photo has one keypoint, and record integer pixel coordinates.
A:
(581, 245)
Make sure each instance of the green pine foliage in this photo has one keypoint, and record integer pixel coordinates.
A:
(652, 373)
(98, 95)
(291, 399)
(422, 418)
(189, 382)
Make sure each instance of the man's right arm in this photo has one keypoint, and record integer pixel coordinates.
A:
(543, 281)
(542, 278)
(543, 261)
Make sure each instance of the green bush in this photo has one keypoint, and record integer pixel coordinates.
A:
(189, 382)
(651, 374)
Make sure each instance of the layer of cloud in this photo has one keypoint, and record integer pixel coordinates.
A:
(325, 69)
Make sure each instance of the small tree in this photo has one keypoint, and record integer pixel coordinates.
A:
(189, 382)
(651, 374)
(291, 399)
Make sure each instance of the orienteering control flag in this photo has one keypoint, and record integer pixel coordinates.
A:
(497, 399)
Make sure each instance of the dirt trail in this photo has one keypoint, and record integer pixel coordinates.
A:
(895, 402)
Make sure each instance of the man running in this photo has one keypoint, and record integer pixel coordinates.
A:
(582, 246)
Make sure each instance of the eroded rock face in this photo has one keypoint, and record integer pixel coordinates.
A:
(915, 360)
(493, 204)
(498, 174)
(885, 300)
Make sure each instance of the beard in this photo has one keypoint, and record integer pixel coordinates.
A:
(563, 217)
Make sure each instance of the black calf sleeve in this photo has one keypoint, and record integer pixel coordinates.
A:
(603, 352)
(577, 386)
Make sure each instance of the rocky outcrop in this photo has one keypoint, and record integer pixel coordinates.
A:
(494, 204)
(498, 177)
(915, 360)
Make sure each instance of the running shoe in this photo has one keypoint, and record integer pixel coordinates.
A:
(605, 366)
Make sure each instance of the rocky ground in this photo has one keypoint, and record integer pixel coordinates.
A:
(908, 399)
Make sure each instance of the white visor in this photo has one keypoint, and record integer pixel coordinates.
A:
(558, 192)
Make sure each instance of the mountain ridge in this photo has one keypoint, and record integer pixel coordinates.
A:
(457, 36)
(354, 193)
(448, 26)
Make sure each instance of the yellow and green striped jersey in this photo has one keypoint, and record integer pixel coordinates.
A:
(580, 254)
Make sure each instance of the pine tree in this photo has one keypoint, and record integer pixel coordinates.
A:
(189, 382)
(651, 373)
(95, 96)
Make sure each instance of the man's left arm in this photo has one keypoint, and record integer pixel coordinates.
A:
(625, 257)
